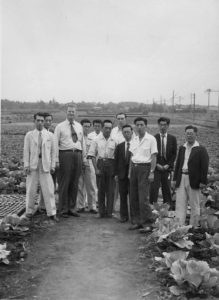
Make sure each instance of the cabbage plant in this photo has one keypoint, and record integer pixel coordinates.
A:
(193, 275)
(4, 254)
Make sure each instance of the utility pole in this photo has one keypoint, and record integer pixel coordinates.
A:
(193, 107)
(173, 103)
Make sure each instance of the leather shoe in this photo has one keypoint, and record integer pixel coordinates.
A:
(135, 227)
(93, 211)
(123, 220)
(64, 215)
(146, 229)
(73, 214)
(54, 218)
(81, 210)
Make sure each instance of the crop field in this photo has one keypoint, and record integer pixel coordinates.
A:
(12, 140)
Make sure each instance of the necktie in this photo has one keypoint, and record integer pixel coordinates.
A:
(127, 152)
(163, 150)
(73, 133)
(40, 144)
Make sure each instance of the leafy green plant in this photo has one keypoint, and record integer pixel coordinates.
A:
(4, 254)
(194, 276)
(178, 237)
(213, 240)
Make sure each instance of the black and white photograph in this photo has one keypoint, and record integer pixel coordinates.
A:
(109, 149)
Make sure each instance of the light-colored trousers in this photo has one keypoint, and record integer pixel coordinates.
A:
(35, 178)
(87, 188)
(185, 194)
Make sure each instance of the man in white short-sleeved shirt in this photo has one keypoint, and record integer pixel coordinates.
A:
(143, 161)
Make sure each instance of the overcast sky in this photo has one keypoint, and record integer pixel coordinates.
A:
(110, 50)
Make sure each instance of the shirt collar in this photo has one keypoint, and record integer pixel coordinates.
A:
(68, 122)
(196, 144)
(144, 138)
(165, 134)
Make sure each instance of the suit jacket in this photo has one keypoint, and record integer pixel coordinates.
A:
(121, 164)
(171, 150)
(31, 155)
(197, 166)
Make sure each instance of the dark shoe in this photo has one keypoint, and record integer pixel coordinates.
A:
(146, 229)
(109, 216)
(101, 216)
(135, 227)
(73, 214)
(81, 210)
(54, 218)
(64, 215)
(123, 220)
(93, 211)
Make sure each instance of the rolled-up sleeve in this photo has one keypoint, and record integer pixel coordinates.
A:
(153, 145)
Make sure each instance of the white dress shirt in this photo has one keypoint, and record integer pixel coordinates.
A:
(102, 148)
(187, 154)
(143, 149)
(117, 135)
(63, 137)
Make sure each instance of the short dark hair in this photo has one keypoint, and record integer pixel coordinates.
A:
(121, 113)
(40, 114)
(140, 119)
(195, 129)
(85, 121)
(127, 126)
(107, 121)
(98, 121)
(46, 114)
(163, 119)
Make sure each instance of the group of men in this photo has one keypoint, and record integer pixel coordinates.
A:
(91, 167)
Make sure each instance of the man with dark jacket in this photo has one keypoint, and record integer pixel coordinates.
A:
(122, 159)
(167, 149)
(190, 175)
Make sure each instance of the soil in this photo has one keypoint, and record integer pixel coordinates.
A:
(82, 258)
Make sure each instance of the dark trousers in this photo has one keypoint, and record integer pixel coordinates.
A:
(123, 192)
(69, 172)
(139, 194)
(161, 178)
(105, 187)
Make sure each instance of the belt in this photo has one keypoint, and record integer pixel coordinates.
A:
(140, 164)
(106, 159)
(71, 150)
(185, 172)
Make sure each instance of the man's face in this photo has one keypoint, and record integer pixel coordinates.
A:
(97, 127)
(86, 128)
(127, 133)
(140, 127)
(121, 120)
(39, 122)
(48, 122)
(190, 135)
(163, 126)
(71, 112)
(107, 128)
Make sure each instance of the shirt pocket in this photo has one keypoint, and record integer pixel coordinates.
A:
(146, 151)
(111, 149)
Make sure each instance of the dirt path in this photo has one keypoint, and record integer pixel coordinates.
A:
(84, 258)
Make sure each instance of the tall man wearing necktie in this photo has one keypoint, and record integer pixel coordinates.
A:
(122, 160)
(167, 149)
(39, 161)
(72, 153)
